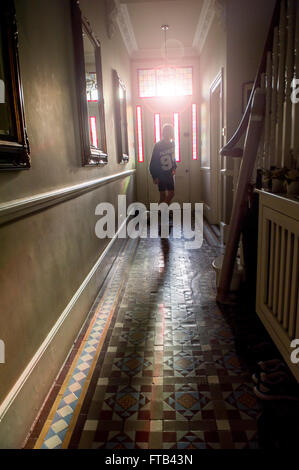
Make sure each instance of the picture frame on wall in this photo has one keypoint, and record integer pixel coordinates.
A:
(89, 84)
(14, 144)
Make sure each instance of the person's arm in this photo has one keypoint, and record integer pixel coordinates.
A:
(174, 165)
(154, 164)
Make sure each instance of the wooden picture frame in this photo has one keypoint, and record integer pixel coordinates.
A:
(14, 147)
(92, 155)
(121, 124)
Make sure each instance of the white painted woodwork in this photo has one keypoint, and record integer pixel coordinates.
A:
(277, 272)
(274, 97)
(280, 84)
(295, 107)
(218, 196)
(266, 159)
(289, 73)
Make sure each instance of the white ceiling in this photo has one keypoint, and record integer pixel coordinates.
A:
(145, 17)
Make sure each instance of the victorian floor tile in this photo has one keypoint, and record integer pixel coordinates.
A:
(155, 366)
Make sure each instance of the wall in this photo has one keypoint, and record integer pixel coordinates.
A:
(247, 28)
(46, 255)
(238, 48)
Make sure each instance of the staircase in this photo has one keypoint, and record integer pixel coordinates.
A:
(271, 127)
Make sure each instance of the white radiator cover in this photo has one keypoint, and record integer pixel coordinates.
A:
(277, 300)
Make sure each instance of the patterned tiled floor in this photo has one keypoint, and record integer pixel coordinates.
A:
(157, 367)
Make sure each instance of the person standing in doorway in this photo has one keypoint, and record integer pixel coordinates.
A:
(163, 164)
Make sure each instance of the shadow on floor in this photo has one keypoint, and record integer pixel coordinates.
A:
(278, 424)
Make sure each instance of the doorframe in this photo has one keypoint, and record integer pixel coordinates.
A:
(217, 202)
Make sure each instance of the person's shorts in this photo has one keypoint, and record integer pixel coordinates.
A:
(166, 183)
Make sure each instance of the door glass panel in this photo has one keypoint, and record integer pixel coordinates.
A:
(139, 134)
(194, 132)
(157, 127)
(176, 126)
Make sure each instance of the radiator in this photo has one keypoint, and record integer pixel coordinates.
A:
(277, 301)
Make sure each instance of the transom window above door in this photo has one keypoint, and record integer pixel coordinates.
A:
(165, 81)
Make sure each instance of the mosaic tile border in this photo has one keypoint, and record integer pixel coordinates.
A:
(60, 423)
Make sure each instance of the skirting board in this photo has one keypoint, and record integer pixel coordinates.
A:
(285, 352)
(22, 404)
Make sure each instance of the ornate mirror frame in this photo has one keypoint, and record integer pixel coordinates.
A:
(121, 125)
(91, 155)
(14, 149)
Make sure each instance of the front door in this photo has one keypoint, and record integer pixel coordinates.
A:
(153, 122)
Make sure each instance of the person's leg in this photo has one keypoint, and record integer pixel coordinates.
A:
(170, 190)
(162, 190)
(162, 196)
(169, 197)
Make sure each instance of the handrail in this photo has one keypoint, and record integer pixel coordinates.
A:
(239, 212)
(228, 149)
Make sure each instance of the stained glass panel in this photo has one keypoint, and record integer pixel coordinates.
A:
(176, 126)
(147, 83)
(165, 81)
(157, 128)
(194, 132)
(139, 134)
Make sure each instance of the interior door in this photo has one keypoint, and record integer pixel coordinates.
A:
(216, 116)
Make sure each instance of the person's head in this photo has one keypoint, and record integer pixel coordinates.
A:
(167, 132)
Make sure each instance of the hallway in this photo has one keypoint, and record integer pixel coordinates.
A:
(156, 366)
(110, 340)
